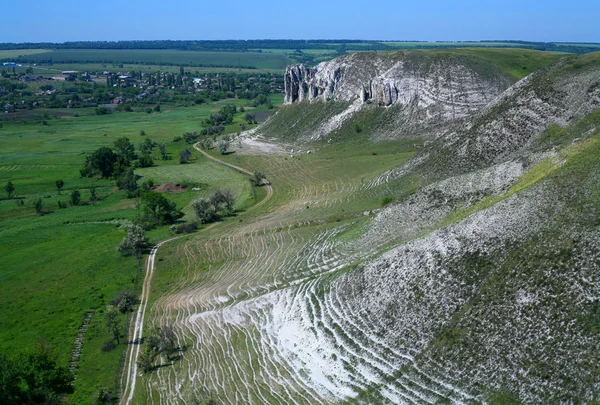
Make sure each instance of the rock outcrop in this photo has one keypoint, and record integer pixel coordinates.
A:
(435, 89)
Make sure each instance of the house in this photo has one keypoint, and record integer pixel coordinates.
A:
(9, 64)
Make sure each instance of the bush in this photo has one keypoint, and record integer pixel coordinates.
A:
(124, 301)
(134, 241)
(102, 110)
(145, 161)
(186, 227)
(386, 200)
(184, 155)
(37, 204)
(75, 197)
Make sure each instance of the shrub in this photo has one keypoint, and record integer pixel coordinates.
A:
(75, 197)
(186, 227)
(386, 200)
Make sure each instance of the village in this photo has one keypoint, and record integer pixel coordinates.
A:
(21, 89)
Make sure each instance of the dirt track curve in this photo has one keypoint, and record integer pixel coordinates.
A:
(136, 340)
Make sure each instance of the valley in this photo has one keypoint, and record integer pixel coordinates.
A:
(427, 233)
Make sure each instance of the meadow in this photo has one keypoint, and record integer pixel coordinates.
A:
(63, 266)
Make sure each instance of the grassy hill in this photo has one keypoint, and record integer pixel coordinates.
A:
(389, 266)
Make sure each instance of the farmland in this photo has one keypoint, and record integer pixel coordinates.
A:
(255, 60)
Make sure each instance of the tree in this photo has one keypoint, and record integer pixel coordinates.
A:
(93, 195)
(146, 146)
(112, 322)
(205, 211)
(158, 210)
(146, 161)
(162, 340)
(146, 360)
(157, 108)
(163, 151)
(75, 197)
(259, 176)
(184, 155)
(250, 118)
(59, 185)
(104, 395)
(124, 150)
(223, 198)
(134, 241)
(127, 181)
(223, 146)
(42, 378)
(10, 188)
(100, 163)
(124, 301)
(37, 204)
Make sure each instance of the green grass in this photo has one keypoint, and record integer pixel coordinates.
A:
(157, 57)
(15, 53)
(59, 266)
(518, 63)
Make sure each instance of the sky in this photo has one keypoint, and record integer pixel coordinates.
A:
(433, 20)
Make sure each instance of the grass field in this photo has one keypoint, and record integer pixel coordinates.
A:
(11, 54)
(62, 265)
(168, 57)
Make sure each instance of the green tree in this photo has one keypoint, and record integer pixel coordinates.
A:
(184, 155)
(125, 151)
(223, 198)
(127, 181)
(59, 185)
(146, 360)
(157, 108)
(259, 176)
(205, 211)
(158, 210)
(100, 163)
(146, 161)
(223, 146)
(37, 204)
(134, 241)
(104, 395)
(44, 379)
(93, 195)
(75, 197)
(9, 188)
(163, 151)
(113, 323)
(33, 378)
(146, 146)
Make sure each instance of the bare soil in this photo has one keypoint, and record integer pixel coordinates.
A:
(170, 187)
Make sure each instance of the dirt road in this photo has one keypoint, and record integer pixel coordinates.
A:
(136, 340)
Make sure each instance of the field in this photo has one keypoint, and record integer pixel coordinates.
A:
(60, 267)
(176, 58)
(10, 54)
(254, 59)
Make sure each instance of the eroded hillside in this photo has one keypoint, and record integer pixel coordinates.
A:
(478, 283)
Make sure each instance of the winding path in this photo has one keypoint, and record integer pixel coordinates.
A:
(135, 342)
(239, 169)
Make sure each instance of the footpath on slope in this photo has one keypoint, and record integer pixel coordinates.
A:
(130, 369)
(239, 169)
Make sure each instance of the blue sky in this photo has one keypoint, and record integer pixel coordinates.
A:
(435, 20)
